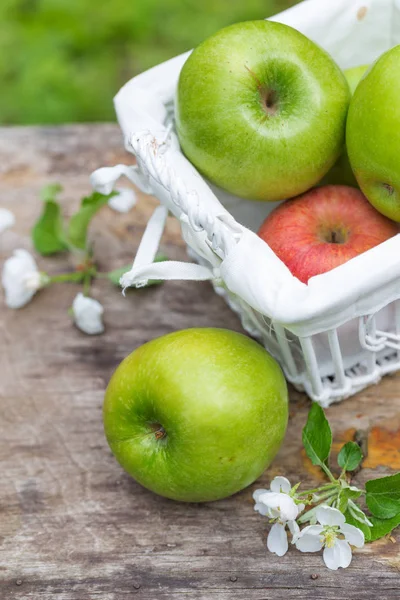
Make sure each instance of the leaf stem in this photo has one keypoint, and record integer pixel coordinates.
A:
(324, 496)
(307, 516)
(327, 486)
(75, 277)
(327, 472)
(87, 280)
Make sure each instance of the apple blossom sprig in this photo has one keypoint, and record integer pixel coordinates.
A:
(282, 506)
(53, 234)
(335, 520)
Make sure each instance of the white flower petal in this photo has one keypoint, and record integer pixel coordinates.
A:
(262, 509)
(337, 556)
(294, 529)
(288, 508)
(257, 494)
(284, 505)
(308, 543)
(309, 539)
(326, 515)
(124, 200)
(7, 219)
(280, 484)
(33, 281)
(88, 314)
(301, 507)
(353, 535)
(269, 498)
(331, 558)
(345, 555)
(20, 279)
(312, 530)
(277, 540)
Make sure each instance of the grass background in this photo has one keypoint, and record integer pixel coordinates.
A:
(63, 60)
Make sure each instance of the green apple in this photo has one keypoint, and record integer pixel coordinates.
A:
(373, 134)
(341, 172)
(261, 110)
(196, 415)
(354, 76)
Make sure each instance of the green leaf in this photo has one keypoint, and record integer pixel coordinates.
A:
(50, 191)
(351, 520)
(382, 527)
(347, 493)
(358, 514)
(79, 222)
(383, 496)
(350, 456)
(115, 276)
(317, 436)
(48, 232)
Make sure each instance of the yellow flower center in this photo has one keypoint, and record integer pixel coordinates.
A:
(330, 535)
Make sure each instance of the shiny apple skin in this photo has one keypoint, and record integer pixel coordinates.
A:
(373, 134)
(299, 230)
(196, 415)
(229, 133)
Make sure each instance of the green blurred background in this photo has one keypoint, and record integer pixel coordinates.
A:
(63, 60)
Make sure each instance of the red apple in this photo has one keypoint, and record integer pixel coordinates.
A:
(324, 228)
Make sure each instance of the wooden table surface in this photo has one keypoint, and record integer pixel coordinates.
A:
(73, 525)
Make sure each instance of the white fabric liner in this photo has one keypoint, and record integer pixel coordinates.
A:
(355, 32)
(251, 270)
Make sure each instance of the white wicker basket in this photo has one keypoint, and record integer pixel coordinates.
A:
(334, 336)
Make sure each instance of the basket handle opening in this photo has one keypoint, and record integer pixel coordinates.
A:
(143, 268)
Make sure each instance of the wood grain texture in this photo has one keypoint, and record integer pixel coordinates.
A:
(73, 525)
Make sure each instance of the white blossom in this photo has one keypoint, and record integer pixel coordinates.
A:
(124, 200)
(333, 534)
(277, 541)
(21, 279)
(88, 314)
(281, 507)
(7, 219)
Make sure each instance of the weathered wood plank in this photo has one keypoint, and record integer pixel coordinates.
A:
(72, 524)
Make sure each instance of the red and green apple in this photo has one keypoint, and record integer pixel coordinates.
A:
(323, 229)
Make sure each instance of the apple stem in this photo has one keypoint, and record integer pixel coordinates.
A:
(259, 84)
(160, 433)
(389, 188)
